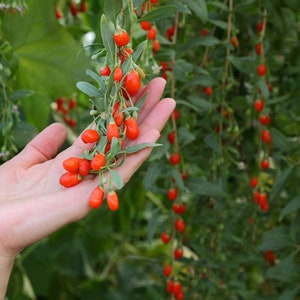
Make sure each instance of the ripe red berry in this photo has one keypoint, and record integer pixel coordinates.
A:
(234, 41)
(259, 105)
(208, 90)
(112, 131)
(167, 270)
(156, 45)
(71, 164)
(105, 71)
(254, 182)
(145, 25)
(175, 158)
(270, 257)
(258, 48)
(177, 288)
(259, 26)
(132, 128)
(112, 200)
(58, 14)
(165, 238)
(118, 74)
(172, 193)
(169, 287)
(264, 164)
(117, 114)
(121, 37)
(178, 208)
(264, 119)
(261, 69)
(70, 179)
(98, 161)
(84, 167)
(96, 197)
(179, 225)
(178, 253)
(90, 136)
(203, 32)
(171, 137)
(263, 202)
(73, 8)
(152, 34)
(83, 7)
(132, 82)
(266, 136)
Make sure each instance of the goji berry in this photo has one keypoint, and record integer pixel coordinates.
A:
(118, 74)
(84, 167)
(175, 158)
(73, 8)
(259, 105)
(132, 128)
(71, 164)
(172, 193)
(145, 25)
(270, 257)
(169, 287)
(96, 197)
(234, 41)
(208, 90)
(266, 136)
(171, 137)
(105, 71)
(98, 161)
(112, 131)
(179, 225)
(253, 182)
(121, 37)
(165, 238)
(90, 136)
(258, 48)
(167, 270)
(132, 82)
(112, 200)
(156, 45)
(151, 34)
(261, 69)
(264, 164)
(178, 253)
(264, 119)
(70, 179)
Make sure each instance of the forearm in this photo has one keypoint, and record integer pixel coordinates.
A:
(6, 265)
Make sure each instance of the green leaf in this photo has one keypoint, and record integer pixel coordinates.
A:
(275, 239)
(160, 13)
(208, 41)
(291, 207)
(289, 294)
(200, 186)
(280, 140)
(287, 271)
(23, 132)
(243, 64)
(139, 147)
(88, 89)
(100, 80)
(211, 141)
(107, 30)
(116, 179)
(139, 50)
(199, 8)
(201, 104)
(20, 94)
(112, 8)
(281, 182)
(221, 24)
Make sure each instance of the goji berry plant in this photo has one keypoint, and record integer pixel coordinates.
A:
(214, 213)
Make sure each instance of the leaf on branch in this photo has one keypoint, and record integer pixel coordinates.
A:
(139, 147)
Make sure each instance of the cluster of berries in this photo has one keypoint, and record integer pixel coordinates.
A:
(65, 106)
(73, 8)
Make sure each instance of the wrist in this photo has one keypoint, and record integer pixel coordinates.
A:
(6, 265)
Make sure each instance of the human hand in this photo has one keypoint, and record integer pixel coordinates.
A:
(32, 202)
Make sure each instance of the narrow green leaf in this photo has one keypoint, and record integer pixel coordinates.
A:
(199, 8)
(280, 140)
(211, 141)
(289, 294)
(208, 41)
(154, 170)
(139, 147)
(88, 89)
(200, 186)
(160, 13)
(275, 239)
(243, 64)
(116, 179)
(280, 182)
(112, 8)
(139, 50)
(291, 207)
(100, 80)
(107, 31)
(221, 24)
(20, 94)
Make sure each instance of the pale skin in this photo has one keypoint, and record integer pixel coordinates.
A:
(32, 202)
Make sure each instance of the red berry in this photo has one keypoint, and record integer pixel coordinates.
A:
(178, 208)
(165, 238)
(96, 197)
(266, 136)
(178, 253)
(112, 131)
(73, 8)
(270, 257)
(156, 45)
(117, 115)
(264, 119)
(152, 34)
(254, 182)
(58, 14)
(98, 162)
(261, 70)
(145, 25)
(179, 296)
(121, 37)
(171, 137)
(263, 202)
(203, 32)
(132, 128)
(175, 158)
(264, 164)
(169, 287)
(172, 193)
(259, 26)
(234, 41)
(208, 90)
(177, 288)
(71, 164)
(180, 225)
(83, 7)
(84, 167)
(105, 71)
(90, 136)
(259, 105)
(118, 74)
(132, 82)
(258, 48)
(167, 270)
(112, 200)
(70, 179)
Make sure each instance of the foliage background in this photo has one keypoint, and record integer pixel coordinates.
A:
(120, 255)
